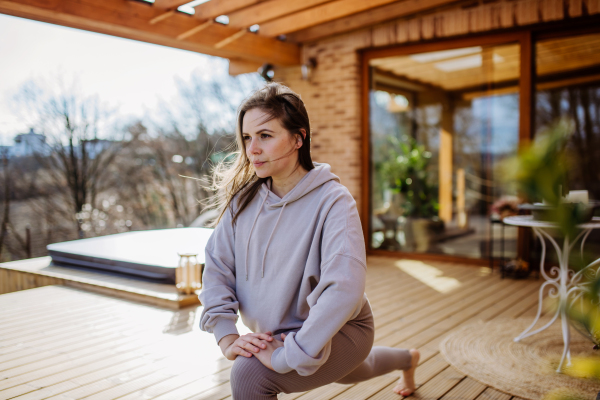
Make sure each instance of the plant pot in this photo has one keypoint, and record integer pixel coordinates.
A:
(420, 233)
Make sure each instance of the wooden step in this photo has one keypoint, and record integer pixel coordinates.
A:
(38, 272)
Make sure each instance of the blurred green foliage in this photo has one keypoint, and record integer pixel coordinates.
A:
(405, 171)
(540, 169)
(540, 173)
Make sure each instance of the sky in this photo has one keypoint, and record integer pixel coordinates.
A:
(129, 75)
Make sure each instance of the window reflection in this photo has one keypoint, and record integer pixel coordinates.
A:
(568, 87)
(440, 122)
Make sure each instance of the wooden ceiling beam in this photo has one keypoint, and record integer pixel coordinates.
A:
(269, 10)
(231, 38)
(214, 8)
(194, 30)
(131, 20)
(367, 18)
(318, 15)
(169, 4)
(237, 67)
(162, 17)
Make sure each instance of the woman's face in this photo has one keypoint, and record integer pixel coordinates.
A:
(270, 148)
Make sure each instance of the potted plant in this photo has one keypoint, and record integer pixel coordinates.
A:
(405, 173)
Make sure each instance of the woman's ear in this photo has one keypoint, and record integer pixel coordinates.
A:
(300, 140)
(303, 132)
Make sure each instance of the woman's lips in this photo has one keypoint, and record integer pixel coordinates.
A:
(258, 164)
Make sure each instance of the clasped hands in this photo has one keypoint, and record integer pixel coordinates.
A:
(259, 345)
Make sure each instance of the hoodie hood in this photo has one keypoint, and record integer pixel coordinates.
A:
(314, 179)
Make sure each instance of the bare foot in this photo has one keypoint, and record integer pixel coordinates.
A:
(406, 385)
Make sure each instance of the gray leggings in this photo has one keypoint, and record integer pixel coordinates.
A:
(352, 360)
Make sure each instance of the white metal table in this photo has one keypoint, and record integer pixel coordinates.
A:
(564, 283)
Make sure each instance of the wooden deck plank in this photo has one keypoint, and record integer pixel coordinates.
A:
(178, 364)
(440, 384)
(432, 389)
(419, 309)
(198, 386)
(119, 349)
(493, 394)
(47, 340)
(467, 389)
(386, 309)
(127, 371)
(431, 318)
(379, 386)
(94, 315)
(84, 302)
(389, 294)
(106, 338)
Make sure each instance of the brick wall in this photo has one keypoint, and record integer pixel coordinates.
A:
(333, 96)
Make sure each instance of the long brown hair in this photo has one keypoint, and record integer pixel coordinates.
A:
(237, 175)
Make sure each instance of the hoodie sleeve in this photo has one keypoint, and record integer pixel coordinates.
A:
(337, 298)
(218, 295)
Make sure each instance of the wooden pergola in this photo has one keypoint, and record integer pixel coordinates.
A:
(283, 25)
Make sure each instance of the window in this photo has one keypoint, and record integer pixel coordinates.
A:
(439, 124)
(568, 89)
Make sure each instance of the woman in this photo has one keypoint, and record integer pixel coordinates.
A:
(288, 253)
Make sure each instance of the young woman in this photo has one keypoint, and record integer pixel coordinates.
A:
(288, 253)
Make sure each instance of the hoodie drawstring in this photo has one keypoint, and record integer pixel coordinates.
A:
(250, 235)
(269, 241)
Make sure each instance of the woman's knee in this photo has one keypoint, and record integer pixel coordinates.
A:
(248, 379)
(243, 369)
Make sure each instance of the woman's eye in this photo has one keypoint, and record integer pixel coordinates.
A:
(264, 135)
(245, 138)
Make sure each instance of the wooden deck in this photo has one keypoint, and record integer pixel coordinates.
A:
(63, 343)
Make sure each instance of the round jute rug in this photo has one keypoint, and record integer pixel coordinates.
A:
(486, 352)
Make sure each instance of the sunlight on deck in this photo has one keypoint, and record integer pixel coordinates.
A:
(429, 275)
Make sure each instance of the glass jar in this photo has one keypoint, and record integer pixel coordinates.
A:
(188, 275)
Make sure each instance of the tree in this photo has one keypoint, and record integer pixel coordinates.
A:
(173, 165)
(83, 142)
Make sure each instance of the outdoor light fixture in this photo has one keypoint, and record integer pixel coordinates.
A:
(222, 19)
(267, 72)
(308, 68)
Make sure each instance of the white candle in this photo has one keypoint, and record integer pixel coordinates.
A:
(578, 196)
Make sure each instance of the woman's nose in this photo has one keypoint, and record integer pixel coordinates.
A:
(253, 147)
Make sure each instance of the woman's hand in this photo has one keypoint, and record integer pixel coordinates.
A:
(245, 345)
(264, 356)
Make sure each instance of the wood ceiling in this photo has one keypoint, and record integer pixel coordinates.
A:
(558, 62)
(284, 24)
(452, 70)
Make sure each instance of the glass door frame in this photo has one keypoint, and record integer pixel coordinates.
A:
(527, 38)
(526, 104)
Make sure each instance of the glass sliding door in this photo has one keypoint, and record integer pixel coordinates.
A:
(440, 122)
(568, 89)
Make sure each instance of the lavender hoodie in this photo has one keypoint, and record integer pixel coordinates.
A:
(295, 263)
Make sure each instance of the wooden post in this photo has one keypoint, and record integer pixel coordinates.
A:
(460, 198)
(445, 174)
(526, 121)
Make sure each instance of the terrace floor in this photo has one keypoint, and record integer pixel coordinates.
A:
(63, 343)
